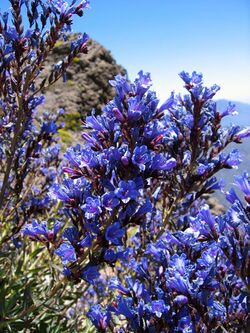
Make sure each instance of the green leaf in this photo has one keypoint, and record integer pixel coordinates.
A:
(35, 252)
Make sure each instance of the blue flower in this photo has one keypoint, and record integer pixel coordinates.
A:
(110, 201)
(179, 283)
(144, 209)
(203, 168)
(126, 191)
(110, 255)
(63, 8)
(11, 33)
(121, 85)
(158, 308)
(206, 215)
(118, 114)
(195, 78)
(71, 191)
(245, 133)
(210, 92)
(92, 207)
(71, 234)
(179, 263)
(230, 110)
(87, 241)
(116, 284)
(160, 162)
(90, 273)
(231, 196)
(80, 42)
(49, 127)
(40, 231)
(114, 233)
(66, 252)
(233, 159)
(99, 317)
(124, 309)
(141, 157)
(243, 183)
(168, 104)
(135, 110)
(142, 83)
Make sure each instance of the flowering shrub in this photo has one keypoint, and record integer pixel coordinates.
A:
(29, 149)
(139, 247)
(28, 144)
(134, 198)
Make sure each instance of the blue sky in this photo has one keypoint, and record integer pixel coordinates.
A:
(167, 36)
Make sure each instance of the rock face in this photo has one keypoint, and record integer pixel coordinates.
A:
(216, 207)
(87, 84)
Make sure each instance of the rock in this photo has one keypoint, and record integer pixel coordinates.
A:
(87, 86)
(215, 206)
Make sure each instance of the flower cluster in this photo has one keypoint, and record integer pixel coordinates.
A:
(133, 196)
(194, 280)
(29, 146)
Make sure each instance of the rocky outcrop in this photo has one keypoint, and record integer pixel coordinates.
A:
(216, 207)
(87, 86)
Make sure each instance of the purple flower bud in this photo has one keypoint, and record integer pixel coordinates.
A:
(118, 115)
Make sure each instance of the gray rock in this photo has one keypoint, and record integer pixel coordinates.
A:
(87, 86)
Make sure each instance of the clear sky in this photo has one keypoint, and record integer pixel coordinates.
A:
(166, 36)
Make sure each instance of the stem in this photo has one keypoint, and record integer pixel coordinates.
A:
(11, 156)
